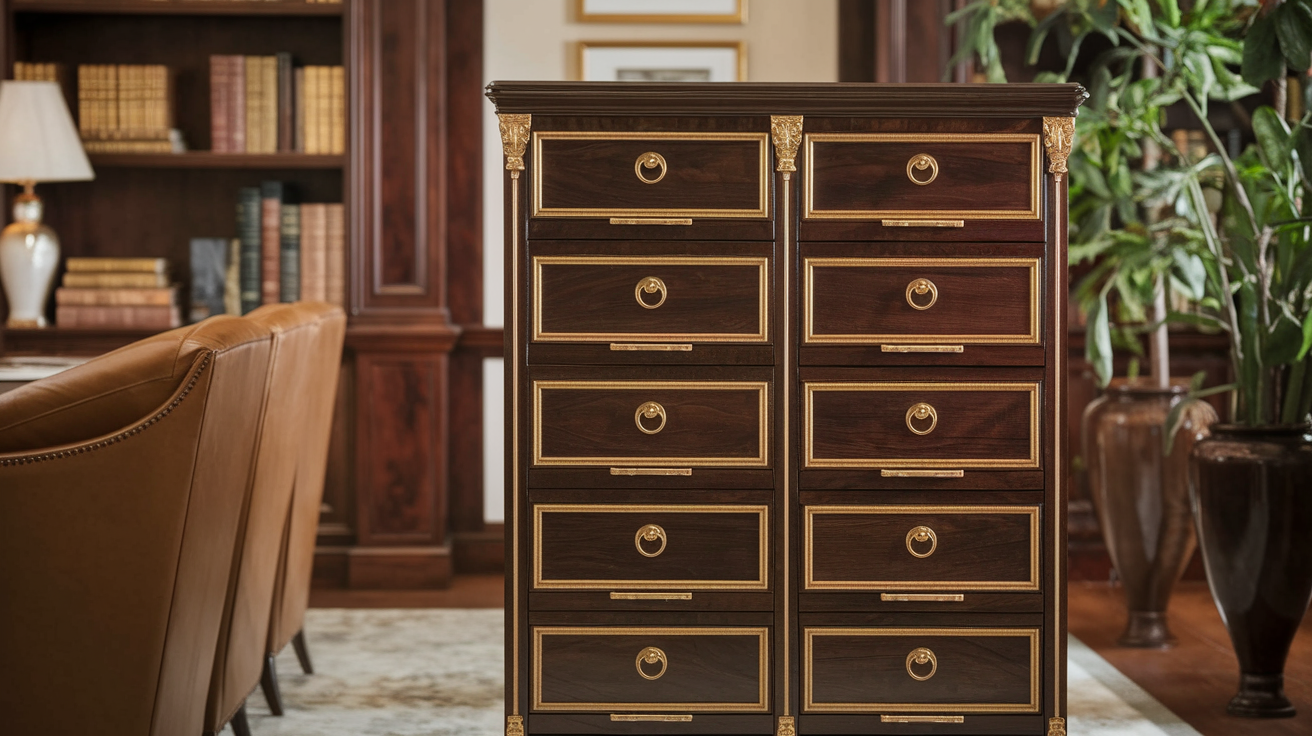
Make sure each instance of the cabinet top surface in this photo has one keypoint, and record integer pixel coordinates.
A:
(753, 98)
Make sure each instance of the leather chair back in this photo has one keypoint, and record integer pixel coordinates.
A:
(120, 490)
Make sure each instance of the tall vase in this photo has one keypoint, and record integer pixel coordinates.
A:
(1253, 507)
(29, 255)
(1142, 497)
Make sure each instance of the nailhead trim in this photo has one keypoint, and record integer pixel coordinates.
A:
(28, 459)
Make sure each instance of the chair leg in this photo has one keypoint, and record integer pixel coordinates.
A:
(269, 683)
(302, 653)
(239, 725)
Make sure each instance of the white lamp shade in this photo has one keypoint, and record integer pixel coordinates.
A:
(38, 141)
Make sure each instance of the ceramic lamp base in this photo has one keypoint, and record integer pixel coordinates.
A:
(29, 256)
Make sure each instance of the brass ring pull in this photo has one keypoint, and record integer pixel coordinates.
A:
(651, 160)
(919, 162)
(649, 533)
(921, 534)
(921, 656)
(921, 412)
(651, 655)
(651, 285)
(649, 410)
(918, 286)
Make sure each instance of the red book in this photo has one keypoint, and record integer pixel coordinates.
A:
(220, 79)
(237, 103)
(314, 252)
(336, 255)
(270, 242)
(119, 317)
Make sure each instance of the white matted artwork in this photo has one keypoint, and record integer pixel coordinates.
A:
(662, 61)
(661, 11)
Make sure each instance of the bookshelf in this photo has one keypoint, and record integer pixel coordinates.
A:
(397, 514)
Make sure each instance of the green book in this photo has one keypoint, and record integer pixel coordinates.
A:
(290, 240)
(248, 232)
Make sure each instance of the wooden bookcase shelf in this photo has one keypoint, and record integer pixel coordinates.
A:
(179, 7)
(211, 160)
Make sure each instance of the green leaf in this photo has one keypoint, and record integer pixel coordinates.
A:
(1040, 34)
(1171, 10)
(1307, 336)
(1098, 340)
(1262, 60)
(1303, 144)
(1293, 22)
(1273, 137)
(1283, 343)
(1191, 271)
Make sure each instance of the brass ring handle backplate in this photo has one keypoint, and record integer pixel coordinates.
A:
(921, 412)
(916, 287)
(649, 533)
(652, 160)
(651, 655)
(920, 534)
(652, 284)
(649, 410)
(920, 656)
(918, 162)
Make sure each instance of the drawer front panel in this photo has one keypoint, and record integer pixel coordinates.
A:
(921, 301)
(650, 299)
(900, 548)
(650, 547)
(674, 175)
(921, 425)
(651, 423)
(683, 669)
(949, 176)
(909, 670)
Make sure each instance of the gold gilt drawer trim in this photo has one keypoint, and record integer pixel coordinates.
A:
(762, 313)
(763, 540)
(808, 555)
(762, 459)
(763, 667)
(808, 422)
(763, 175)
(1036, 176)
(810, 336)
(809, 704)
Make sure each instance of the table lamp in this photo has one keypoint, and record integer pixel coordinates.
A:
(38, 142)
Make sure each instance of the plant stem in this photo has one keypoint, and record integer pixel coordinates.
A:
(1159, 349)
(1231, 173)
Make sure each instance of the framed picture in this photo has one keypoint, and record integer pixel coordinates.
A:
(662, 61)
(661, 11)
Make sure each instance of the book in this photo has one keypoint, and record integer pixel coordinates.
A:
(248, 233)
(220, 91)
(269, 104)
(335, 272)
(72, 296)
(254, 105)
(314, 252)
(209, 268)
(313, 111)
(271, 194)
(337, 110)
(116, 280)
(128, 103)
(232, 279)
(146, 317)
(237, 103)
(290, 271)
(286, 103)
(144, 265)
(298, 82)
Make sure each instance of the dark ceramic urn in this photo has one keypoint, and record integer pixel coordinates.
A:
(1253, 508)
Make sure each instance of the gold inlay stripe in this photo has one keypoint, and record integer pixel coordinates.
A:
(808, 422)
(761, 460)
(763, 176)
(619, 596)
(651, 220)
(922, 719)
(922, 597)
(810, 211)
(540, 582)
(886, 473)
(923, 223)
(761, 705)
(809, 705)
(761, 333)
(810, 582)
(658, 718)
(812, 337)
(650, 347)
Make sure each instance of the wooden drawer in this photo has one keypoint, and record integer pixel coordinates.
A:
(920, 548)
(947, 425)
(650, 669)
(921, 305)
(922, 176)
(920, 670)
(640, 423)
(650, 547)
(650, 175)
(632, 301)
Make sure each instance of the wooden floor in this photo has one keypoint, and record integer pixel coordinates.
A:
(466, 591)
(1197, 678)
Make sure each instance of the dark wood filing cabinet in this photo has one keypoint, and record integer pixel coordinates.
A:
(785, 367)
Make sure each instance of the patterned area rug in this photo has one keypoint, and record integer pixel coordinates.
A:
(438, 672)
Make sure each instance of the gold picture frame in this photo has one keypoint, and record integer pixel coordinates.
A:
(737, 16)
(738, 47)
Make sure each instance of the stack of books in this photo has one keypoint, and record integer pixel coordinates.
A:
(117, 293)
(262, 104)
(26, 71)
(288, 251)
(125, 108)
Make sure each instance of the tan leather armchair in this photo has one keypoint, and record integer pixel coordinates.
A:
(120, 493)
(244, 628)
(291, 593)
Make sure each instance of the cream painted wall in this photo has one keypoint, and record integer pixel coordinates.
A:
(787, 41)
